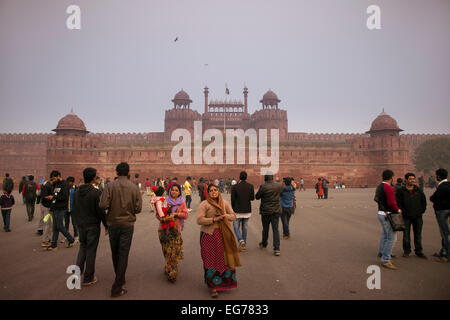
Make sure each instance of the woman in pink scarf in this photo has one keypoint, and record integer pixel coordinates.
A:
(170, 237)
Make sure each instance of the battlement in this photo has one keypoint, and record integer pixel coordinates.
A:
(334, 137)
(112, 138)
(182, 114)
(269, 114)
(24, 137)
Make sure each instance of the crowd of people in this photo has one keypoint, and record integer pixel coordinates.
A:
(223, 225)
(408, 199)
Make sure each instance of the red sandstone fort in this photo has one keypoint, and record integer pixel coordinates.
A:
(353, 158)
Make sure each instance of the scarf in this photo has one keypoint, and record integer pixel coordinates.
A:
(174, 205)
(230, 249)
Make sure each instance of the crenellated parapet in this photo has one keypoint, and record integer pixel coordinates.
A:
(330, 137)
(24, 137)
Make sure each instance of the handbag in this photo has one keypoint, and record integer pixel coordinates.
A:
(396, 221)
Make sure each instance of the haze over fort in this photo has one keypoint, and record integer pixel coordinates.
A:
(331, 73)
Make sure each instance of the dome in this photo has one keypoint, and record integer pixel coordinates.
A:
(71, 122)
(182, 95)
(384, 122)
(270, 96)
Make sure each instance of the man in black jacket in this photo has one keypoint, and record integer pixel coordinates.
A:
(270, 210)
(413, 203)
(29, 192)
(441, 205)
(8, 184)
(59, 198)
(87, 216)
(241, 196)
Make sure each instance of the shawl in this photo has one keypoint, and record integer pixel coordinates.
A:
(230, 249)
(174, 205)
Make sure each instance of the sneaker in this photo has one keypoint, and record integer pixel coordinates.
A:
(71, 244)
(286, 237)
(261, 246)
(189, 210)
(51, 249)
(63, 240)
(46, 244)
(241, 246)
(277, 253)
(76, 241)
(406, 255)
(389, 265)
(87, 284)
(421, 255)
(8, 230)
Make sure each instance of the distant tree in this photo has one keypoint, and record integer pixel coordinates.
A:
(432, 155)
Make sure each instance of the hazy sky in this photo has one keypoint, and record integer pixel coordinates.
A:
(121, 70)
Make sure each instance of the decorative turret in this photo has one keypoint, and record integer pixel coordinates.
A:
(384, 125)
(181, 100)
(270, 100)
(71, 124)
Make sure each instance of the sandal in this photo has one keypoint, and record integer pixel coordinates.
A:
(214, 294)
(87, 284)
(121, 293)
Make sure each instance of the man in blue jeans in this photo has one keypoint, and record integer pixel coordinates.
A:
(441, 205)
(387, 204)
(287, 205)
(270, 210)
(241, 196)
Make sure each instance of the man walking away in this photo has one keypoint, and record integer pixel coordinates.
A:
(29, 192)
(325, 183)
(270, 211)
(87, 216)
(241, 196)
(385, 197)
(441, 205)
(123, 201)
(8, 184)
(72, 189)
(287, 205)
(413, 204)
(187, 192)
(58, 208)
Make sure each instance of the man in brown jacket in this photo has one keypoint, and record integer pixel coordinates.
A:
(123, 201)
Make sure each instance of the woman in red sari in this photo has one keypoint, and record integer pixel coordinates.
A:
(319, 189)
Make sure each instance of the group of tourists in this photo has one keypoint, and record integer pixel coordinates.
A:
(409, 200)
(223, 225)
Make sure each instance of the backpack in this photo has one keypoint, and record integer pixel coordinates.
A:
(30, 191)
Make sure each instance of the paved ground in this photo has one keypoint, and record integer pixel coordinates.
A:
(333, 242)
